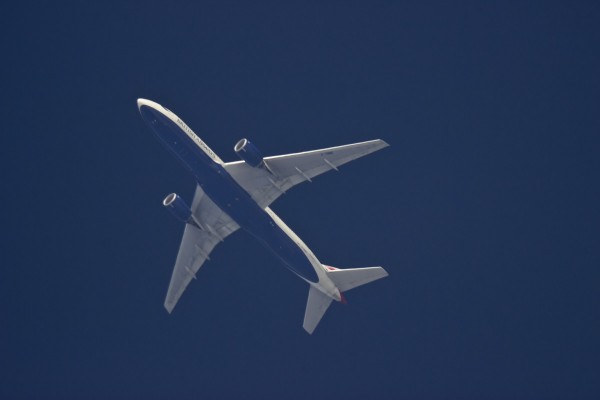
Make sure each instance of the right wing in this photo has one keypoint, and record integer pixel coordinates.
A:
(197, 244)
(280, 173)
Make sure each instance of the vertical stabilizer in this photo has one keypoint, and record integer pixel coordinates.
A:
(318, 303)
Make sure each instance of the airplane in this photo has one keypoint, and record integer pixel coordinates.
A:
(234, 195)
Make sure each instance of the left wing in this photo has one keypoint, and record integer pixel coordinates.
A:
(280, 173)
(197, 244)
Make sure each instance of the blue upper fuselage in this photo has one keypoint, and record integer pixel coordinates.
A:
(227, 194)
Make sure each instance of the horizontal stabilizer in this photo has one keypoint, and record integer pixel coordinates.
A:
(318, 303)
(346, 279)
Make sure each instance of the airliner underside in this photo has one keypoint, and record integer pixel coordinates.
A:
(235, 195)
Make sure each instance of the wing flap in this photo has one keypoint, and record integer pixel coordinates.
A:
(197, 244)
(194, 250)
(283, 172)
(299, 167)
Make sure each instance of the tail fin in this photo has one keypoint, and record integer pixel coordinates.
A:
(346, 279)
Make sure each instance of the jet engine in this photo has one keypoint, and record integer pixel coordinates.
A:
(178, 207)
(248, 152)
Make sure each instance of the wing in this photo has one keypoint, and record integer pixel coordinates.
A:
(197, 244)
(280, 173)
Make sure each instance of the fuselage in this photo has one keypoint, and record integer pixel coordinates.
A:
(230, 197)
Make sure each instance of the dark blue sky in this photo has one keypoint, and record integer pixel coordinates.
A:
(484, 209)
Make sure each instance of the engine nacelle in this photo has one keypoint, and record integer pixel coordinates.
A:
(178, 207)
(248, 152)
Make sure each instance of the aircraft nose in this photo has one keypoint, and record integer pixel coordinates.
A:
(141, 102)
(149, 114)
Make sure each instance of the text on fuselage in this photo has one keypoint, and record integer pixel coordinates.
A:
(195, 138)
